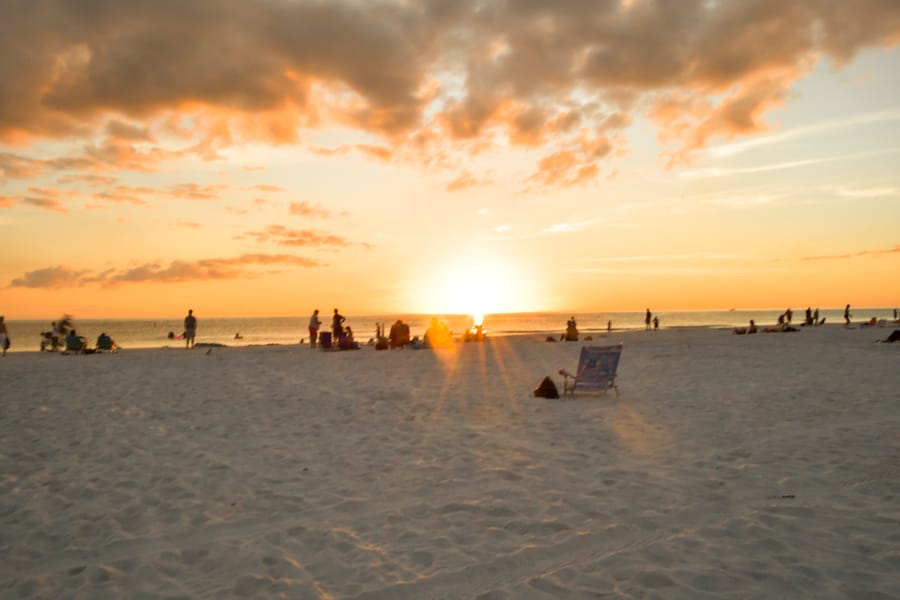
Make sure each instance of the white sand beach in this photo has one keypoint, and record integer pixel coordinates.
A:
(759, 466)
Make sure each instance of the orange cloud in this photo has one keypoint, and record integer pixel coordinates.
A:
(268, 188)
(376, 152)
(240, 267)
(125, 131)
(88, 178)
(50, 278)
(565, 169)
(305, 209)
(47, 199)
(140, 195)
(876, 252)
(283, 236)
(464, 181)
(18, 167)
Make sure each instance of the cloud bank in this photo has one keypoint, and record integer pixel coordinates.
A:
(245, 266)
(429, 79)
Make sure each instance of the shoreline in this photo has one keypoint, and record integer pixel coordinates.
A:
(596, 335)
(289, 331)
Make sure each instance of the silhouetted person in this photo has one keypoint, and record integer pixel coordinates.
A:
(75, 343)
(647, 318)
(337, 325)
(744, 330)
(847, 316)
(190, 329)
(54, 335)
(314, 324)
(399, 334)
(571, 334)
(104, 342)
(4, 336)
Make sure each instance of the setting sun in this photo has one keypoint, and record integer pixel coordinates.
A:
(476, 284)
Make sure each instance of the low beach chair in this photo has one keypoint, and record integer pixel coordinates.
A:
(597, 368)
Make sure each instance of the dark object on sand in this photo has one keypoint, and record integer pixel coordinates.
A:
(894, 337)
(546, 389)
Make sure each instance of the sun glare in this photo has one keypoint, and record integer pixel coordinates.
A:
(475, 284)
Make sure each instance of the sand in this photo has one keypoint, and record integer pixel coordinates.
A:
(763, 466)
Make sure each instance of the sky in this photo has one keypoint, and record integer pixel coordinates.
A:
(268, 157)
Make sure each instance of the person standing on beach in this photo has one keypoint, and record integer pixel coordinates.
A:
(4, 336)
(647, 319)
(337, 325)
(54, 336)
(314, 323)
(847, 316)
(190, 329)
(655, 323)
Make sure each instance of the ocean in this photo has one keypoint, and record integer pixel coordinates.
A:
(25, 335)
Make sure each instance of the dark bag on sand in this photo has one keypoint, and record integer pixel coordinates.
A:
(546, 389)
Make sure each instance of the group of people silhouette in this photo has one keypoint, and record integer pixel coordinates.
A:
(339, 338)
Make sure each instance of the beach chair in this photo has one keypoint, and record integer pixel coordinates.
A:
(597, 368)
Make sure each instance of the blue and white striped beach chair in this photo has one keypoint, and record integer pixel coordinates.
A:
(597, 368)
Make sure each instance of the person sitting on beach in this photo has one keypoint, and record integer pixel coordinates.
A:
(476, 334)
(399, 334)
(742, 330)
(75, 343)
(571, 334)
(346, 341)
(437, 334)
(781, 327)
(104, 342)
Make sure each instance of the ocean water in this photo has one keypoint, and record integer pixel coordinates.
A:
(152, 333)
